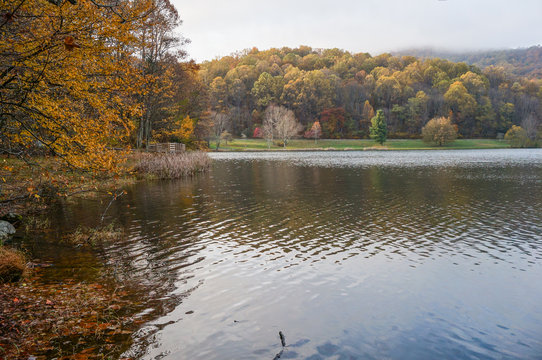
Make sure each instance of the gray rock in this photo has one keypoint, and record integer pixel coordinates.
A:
(6, 229)
(12, 218)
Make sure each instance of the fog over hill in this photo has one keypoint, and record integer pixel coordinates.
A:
(522, 61)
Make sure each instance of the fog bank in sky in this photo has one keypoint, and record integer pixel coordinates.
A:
(218, 28)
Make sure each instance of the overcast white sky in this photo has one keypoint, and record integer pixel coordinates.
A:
(220, 27)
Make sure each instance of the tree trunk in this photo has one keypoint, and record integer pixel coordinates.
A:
(139, 140)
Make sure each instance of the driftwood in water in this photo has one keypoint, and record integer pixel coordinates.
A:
(282, 339)
(283, 343)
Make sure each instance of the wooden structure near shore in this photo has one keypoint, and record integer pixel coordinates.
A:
(167, 148)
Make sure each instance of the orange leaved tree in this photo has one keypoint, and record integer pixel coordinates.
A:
(68, 72)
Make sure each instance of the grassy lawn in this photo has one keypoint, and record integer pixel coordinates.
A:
(349, 144)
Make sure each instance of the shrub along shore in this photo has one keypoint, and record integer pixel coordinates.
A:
(354, 144)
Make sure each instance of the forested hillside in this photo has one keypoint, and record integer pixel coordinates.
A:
(521, 62)
(344, 90)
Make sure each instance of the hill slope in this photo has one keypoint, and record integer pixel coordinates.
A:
(343, 91)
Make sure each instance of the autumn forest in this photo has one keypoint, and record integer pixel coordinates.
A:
(80, 79)
(344, 90)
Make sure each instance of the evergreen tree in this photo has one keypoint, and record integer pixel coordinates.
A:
(379, 129)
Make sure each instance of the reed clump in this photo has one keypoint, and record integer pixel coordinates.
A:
(94, 235)
(12, 265)
(172, 166)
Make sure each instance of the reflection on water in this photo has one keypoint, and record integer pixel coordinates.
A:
(353, 255)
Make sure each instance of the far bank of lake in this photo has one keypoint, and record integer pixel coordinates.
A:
(356, 144)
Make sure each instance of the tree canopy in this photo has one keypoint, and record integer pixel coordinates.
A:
(439, 131)
(78, 79)
(316, 83)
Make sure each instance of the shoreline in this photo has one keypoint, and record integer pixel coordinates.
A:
(260, 145)
(349, 149)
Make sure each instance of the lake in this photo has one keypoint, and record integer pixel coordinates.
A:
(351, 255)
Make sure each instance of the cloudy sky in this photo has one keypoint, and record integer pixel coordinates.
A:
(218, 27)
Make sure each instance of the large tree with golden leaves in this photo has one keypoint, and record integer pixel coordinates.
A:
(68, 75)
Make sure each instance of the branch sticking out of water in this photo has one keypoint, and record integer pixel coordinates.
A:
(283, 343)
(282, 339)
(113, 198)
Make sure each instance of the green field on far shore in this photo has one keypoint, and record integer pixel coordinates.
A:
(354, 144)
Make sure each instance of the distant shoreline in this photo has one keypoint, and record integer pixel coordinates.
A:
(260, 145)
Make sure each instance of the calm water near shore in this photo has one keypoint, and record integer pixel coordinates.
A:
(352, 255)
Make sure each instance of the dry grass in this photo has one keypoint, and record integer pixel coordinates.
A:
(12, 265)
(172, 166)
(36, 222)
(92, 236)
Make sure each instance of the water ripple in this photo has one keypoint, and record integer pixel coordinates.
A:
(354, 255)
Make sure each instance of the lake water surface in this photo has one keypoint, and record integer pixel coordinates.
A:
(352, 255)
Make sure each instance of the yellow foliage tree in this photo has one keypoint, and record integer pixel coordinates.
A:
(67, 78)
(439, 131)
(182, 130)
(517, 137)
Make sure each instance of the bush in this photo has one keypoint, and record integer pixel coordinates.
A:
(12, 265)
(439, 131)
(517, 137)
(173, 166)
